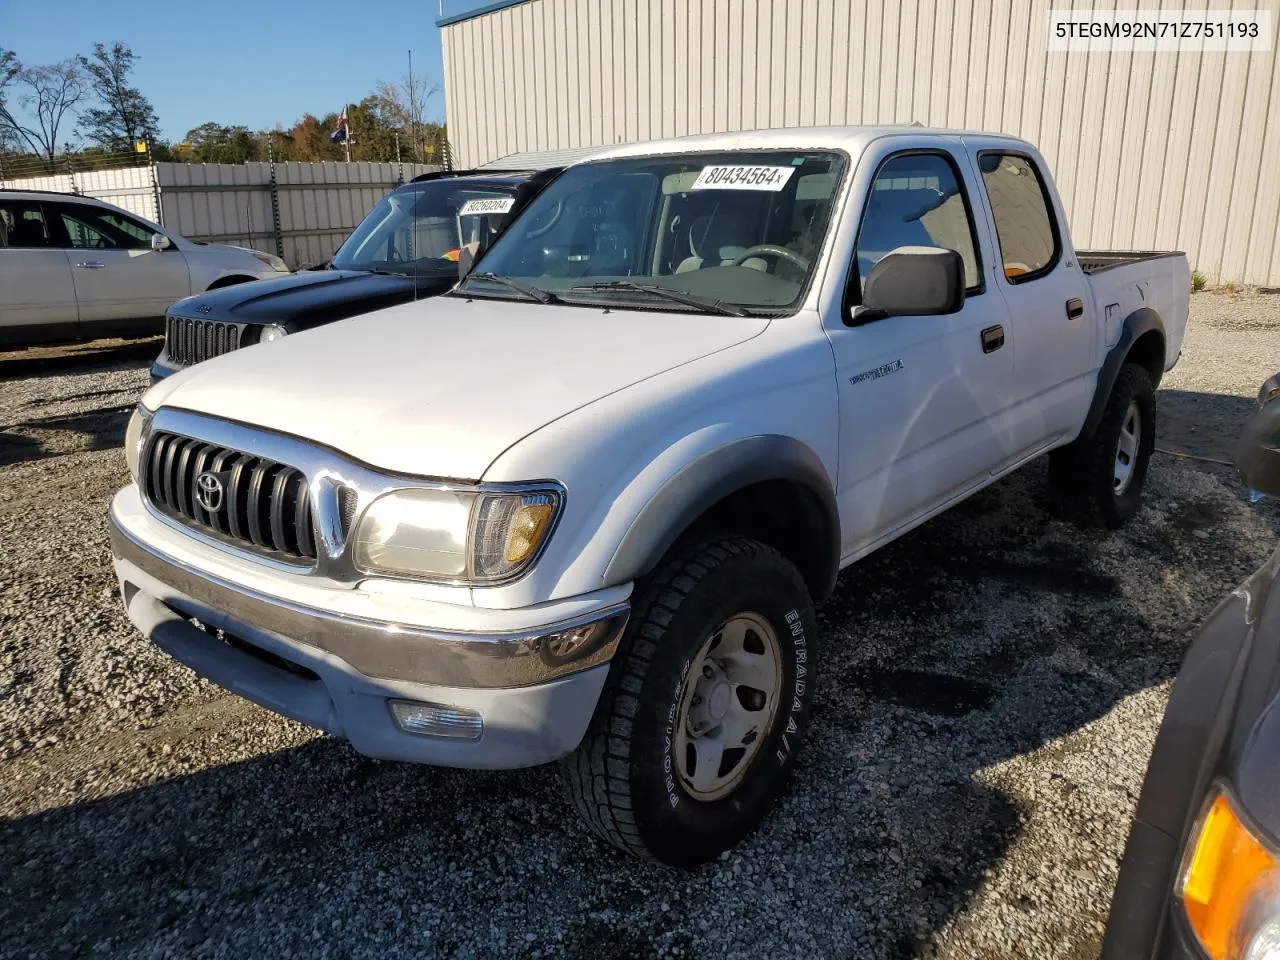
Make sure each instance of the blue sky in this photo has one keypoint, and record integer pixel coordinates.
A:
(239, 61)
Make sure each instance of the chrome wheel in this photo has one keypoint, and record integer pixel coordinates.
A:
(727, 706)
(1127, 449)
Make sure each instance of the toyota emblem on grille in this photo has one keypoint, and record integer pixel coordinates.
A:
(209, 491)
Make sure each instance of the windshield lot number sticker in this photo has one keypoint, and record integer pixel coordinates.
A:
(478, 208)
(743, 178)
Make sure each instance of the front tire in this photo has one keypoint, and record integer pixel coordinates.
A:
(705, 706)
(1102, 477)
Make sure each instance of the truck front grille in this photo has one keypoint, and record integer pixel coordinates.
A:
(189, 341)
(247, 500)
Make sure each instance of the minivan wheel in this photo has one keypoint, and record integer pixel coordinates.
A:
(705, 706)
(1102, 477)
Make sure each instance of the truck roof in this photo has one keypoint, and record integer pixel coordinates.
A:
(850, 138)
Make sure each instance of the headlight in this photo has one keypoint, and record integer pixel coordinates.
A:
(275, 263)
(1230, 886)
(134, 434)
(271, 333)
(455, 535)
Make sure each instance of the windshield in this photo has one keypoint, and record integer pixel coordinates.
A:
(427, 228)
(728, 232)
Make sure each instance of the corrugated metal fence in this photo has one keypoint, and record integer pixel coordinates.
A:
(302, 215)
(1150, 150)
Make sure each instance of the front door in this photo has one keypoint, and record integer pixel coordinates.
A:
(122, 285)
(923, 400)
(37, 297)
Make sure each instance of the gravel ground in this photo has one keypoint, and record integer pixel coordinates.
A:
(991, 686)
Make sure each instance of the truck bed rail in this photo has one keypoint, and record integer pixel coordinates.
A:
(1095, 261)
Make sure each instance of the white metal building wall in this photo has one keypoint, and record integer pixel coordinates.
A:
(1150, 151)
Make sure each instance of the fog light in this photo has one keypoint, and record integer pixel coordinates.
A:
(580, 642)
(437, 720)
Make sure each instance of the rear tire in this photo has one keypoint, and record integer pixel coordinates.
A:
(705, 706)
(1100, 478)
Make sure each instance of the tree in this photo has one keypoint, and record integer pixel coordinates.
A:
(123, 115)
(46, 95)
(214, 143)
(403, 106)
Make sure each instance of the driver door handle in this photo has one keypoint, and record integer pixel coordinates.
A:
(91, 264)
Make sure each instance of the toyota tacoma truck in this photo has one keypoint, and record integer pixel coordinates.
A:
(581, 508)
(416, 243)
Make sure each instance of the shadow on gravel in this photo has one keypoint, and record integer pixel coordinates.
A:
(1202, 424)
(983, 635)
(100, 429)
(75, 357)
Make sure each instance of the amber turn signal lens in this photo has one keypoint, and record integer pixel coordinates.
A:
(527, 527)
(1225, 875)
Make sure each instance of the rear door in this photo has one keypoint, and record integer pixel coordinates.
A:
(121, 284)
(1050, 306)
(37, 296)
(922, 399)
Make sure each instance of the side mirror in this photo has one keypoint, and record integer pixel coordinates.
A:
(159, 242)
(912, 282)
(1258, 451)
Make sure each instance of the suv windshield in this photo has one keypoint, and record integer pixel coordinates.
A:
(723, 232)
(426, 228)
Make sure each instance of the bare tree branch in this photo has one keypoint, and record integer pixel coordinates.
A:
(46, 94)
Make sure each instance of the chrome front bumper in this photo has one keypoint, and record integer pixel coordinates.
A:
(339, 673)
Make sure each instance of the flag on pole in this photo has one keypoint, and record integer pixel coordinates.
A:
(340, 134)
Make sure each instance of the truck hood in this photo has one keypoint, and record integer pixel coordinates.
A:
(307, 299)
(441, 388)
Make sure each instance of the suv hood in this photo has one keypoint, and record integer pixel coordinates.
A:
(307, 299)
(441, 388)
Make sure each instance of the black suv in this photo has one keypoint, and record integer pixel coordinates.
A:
(415, 243)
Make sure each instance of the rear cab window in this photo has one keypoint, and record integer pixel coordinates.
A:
(1026, 231)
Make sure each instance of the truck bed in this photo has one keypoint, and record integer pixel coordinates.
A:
(1095, 261)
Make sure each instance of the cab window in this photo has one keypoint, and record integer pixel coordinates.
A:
(917, 200)
(1025, 230)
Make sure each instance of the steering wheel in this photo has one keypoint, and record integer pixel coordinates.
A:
(771, 250)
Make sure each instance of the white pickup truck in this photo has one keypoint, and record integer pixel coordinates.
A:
(582, 507)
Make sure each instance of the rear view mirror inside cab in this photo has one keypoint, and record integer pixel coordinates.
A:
(912, 282)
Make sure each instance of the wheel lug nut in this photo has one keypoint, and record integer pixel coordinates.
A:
(697, 700)
(707, 671)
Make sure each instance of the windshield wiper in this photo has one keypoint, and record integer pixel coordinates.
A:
(532, 293)
(705, 304)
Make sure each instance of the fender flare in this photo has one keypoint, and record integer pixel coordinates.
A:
(1141, 321)
(705, 481)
